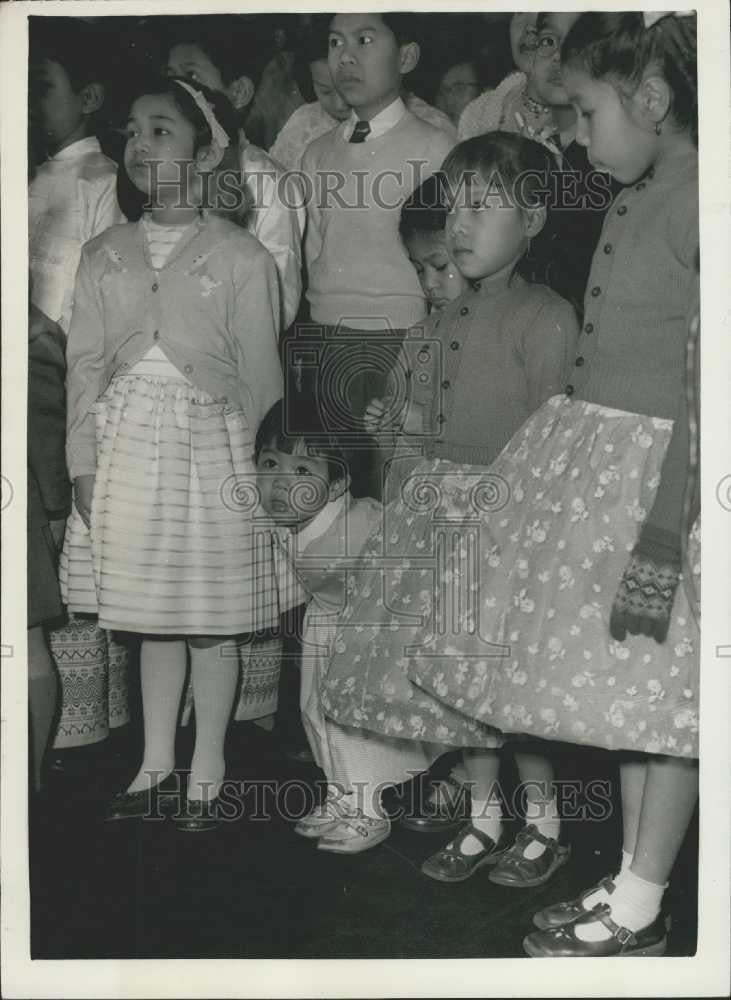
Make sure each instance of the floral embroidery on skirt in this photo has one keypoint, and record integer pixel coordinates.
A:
(494, 598)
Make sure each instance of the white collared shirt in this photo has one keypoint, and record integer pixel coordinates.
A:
(277, 221)
(72, 198)
(380, 123)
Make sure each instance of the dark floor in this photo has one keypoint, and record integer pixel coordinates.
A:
(253, 889)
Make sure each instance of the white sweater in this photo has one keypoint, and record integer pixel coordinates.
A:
(359, 272)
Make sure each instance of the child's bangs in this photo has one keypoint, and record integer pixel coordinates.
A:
(470, 167)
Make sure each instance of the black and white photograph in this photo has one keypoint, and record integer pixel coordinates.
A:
(361, 520)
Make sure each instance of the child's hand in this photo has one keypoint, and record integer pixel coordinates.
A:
(375, 416)
(83, 493)
(644, 599)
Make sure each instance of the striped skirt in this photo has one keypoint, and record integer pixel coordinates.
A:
(174, 547)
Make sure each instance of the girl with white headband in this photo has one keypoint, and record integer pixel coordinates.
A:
(172, 361)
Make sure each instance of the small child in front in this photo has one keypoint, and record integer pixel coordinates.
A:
(304, 486)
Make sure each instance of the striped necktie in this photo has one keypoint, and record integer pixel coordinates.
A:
(361, 130)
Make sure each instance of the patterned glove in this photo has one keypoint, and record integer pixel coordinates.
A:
(645, 598)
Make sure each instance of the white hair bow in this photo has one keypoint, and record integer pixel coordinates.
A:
(218, 134)
(651, 17)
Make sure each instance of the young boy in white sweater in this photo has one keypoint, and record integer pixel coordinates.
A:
(363, 291)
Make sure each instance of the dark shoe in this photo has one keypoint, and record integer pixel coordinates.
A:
(522, 873)
(446, 806)
(199, 816)
(150, 802)
(561, 914)
(567, 913)
(561, 942)
(451, 865)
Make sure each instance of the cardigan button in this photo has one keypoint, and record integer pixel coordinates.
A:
(423, 377)
(446, 383)
(596, 290)
(463, 311)
(155, 287)
(454, 345)
(423, 355)
(579, 361)
(607, 248)
(569, 390)
(622, 210)
(188, 369)
(477, 286)
(589, 328)
(156, 335)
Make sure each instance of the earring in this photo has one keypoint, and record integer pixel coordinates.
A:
(658, 128)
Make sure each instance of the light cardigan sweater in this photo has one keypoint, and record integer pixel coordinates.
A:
(213, 309)
(359, 273)
(632, 349)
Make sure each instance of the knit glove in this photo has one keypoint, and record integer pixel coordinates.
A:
(645, 597)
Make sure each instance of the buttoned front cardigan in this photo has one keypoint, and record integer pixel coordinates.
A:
(484, 364)
(632, 348)
(213, 309)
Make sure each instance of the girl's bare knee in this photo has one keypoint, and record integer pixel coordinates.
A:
(204, 641)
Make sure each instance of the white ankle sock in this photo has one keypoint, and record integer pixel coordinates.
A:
(634, 904)
(601, 895)
(543, 814)
(487, 817)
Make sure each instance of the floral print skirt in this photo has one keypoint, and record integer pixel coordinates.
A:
(514, 629)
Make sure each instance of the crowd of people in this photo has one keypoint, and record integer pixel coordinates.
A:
(384, 318)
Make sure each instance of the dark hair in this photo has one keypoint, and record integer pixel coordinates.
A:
(618, 47)
(186, 105)
(297, 420)
(311, 46)
(406, 27)
(520, 166)
(235, 45)
(425, 211)
(458, 57)
(76, 45)
(226, 117)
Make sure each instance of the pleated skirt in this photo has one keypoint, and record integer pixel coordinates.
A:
(174, 546)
